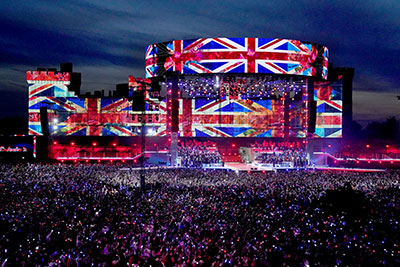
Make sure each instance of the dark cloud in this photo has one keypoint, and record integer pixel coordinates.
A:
(13, 104)
(106, 39)
(23, 44)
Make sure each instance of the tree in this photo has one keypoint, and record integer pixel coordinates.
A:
(13, 125)
(387, 130)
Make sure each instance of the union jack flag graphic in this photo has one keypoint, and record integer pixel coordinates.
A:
(298, 116)
(42, 83)
(329, 109)
(47, 76)
(72, 115)
(236, 55)
(230, 118)
(92, 117)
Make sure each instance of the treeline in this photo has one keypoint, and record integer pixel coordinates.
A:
(386, 130)
(13, 125)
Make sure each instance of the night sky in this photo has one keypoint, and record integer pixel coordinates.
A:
(106, 40)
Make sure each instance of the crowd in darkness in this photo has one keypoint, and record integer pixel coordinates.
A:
(195, 154)
(96, 215)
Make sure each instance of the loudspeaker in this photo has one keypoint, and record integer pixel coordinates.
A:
(175, 115)
(313, 117)
(138, 103)
(44, 121)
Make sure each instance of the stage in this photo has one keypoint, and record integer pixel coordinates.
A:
(243, 167)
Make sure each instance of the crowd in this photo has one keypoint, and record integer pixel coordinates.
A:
(271, 145)
(195, 154)
(297, 157)
(81, 215)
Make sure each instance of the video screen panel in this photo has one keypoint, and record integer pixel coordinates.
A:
(69, 114)
(298, 119)
(328, 96)
(227, 116)
(231, 118)
(93, 117)
(237, 55)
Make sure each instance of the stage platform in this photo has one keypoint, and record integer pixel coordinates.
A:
(324, 168)
(243, 167)
(237, 166)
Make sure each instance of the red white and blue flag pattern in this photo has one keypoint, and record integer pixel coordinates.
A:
(230, 118)
(237, 55)
(328, 96)
(72, 115)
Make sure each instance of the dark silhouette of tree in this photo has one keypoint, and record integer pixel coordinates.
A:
(387, 130)
(13, 125)
(356, 130)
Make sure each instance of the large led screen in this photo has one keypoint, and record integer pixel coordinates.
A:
(328, 96)
(237, 55)
(298, 118)
(231, 118)
(226, 116)
(92, 117)
(72, 115)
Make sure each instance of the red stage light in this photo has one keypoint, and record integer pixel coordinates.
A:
(94, 144)
(62, 161)
(123, 160)
(75, 160)
(233, 145)
(87, 160)
(98, 161)
(55, 143)
(72, 143)
(329, 145)
(387, 146)
(367, 146)
(114, 144)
